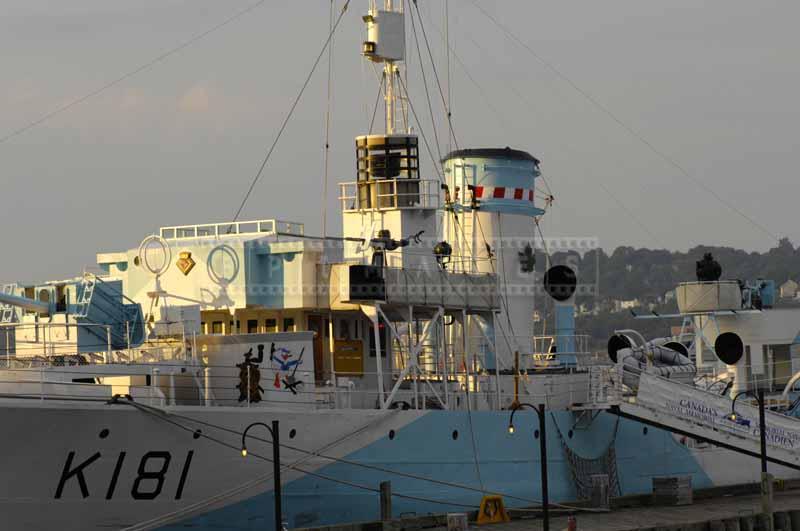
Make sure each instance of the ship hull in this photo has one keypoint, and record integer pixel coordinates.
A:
(101, 466)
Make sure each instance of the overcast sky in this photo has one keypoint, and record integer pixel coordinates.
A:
(714, 85)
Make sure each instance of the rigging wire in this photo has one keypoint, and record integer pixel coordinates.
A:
(627, 128)
(128, 75)
(457, 224)
(625, 209)
(291, 112)
(421, 131)
(326, 154)
(164, 414)
(445, 102)
(377, 102)
(448, 106)
(425, 85)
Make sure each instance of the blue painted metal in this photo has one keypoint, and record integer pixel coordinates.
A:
(264, 272)
(565, 327)
(508, 464)
(8, 313)
(768, 293)
(496, 172)
(108, 307)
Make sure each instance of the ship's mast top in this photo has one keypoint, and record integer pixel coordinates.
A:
(386, 44)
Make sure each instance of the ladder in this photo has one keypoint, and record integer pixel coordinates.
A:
(84, 301)
(7, 312)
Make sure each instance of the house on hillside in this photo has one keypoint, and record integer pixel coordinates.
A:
(618, 305)
(629, 304)
(789, 289)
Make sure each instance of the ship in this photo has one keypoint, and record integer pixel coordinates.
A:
(152, 392)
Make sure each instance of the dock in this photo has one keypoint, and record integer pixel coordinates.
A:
(723, 513)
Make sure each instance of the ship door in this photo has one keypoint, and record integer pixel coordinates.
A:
(316, 325)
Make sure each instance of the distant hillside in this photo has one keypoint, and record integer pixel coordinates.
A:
(642, 277)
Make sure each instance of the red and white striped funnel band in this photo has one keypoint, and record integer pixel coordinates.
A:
(503, 192)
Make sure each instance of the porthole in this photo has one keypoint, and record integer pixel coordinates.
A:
(104, 433)
(570, 434)
(391, 435)
(196, 434)
(292, 433)
(644, 430)
(536, 434)
(455, 435)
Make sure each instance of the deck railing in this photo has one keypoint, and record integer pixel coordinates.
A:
(263, 227)
(389, 194)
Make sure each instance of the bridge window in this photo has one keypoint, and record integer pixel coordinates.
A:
(61, 298)
(216, 327)
(44, 295)
(272, 325)
(252, 326)
(288, 324)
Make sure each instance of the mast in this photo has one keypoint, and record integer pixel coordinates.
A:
(386, 44)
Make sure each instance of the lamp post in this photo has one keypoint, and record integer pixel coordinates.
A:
(540, 411)
(276, 466)
(766, 488)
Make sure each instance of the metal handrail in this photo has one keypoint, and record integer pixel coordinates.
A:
(426, 196)
(266, 227)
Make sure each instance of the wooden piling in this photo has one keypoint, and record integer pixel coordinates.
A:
(386, 500)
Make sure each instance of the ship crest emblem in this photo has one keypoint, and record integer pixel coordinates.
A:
(185, 262)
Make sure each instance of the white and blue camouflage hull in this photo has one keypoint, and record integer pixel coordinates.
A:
(98, 466)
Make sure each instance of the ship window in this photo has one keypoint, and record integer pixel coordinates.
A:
(61, 298)
(202, 325)
(216, 327)
(536, 434)
(252, 326)
(288, 324)
(44, 295)
(292, 433)
(455, 435)
(272, 325)
(344, 329)
(391, 434)
(230, 327)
